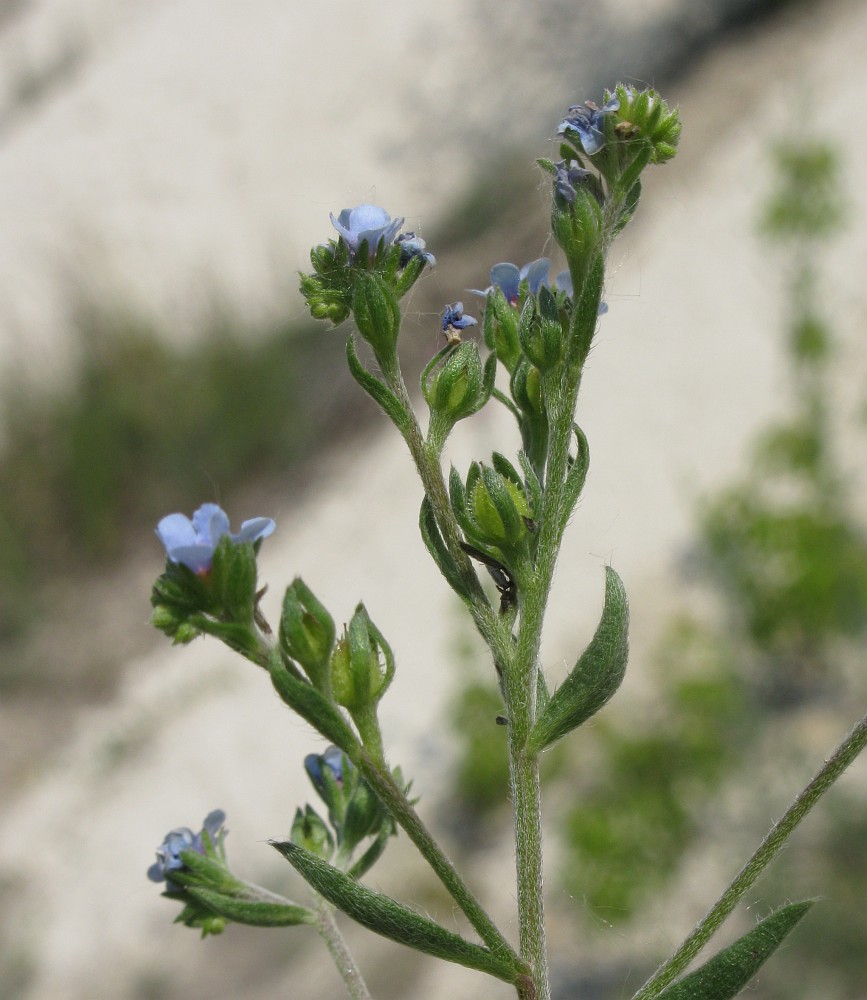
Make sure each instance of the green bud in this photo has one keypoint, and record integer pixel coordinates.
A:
(527, 389)
(499, 509)
(377, 314)
(540, 330)
(577, 226)
(310, 831)
(328, 290)
(233, 579)
(501, 329)
(307, 633)
(362, 665)
(458, 388)
(644, 115)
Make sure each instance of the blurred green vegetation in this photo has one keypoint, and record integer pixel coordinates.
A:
(146, 428)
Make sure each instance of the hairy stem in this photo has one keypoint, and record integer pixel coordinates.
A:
(330, 933)
(377, 775)
(843, 756)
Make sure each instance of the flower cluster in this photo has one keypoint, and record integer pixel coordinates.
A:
(183, 839)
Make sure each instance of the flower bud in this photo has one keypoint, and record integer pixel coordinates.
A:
(362, 664)
(460, 386)
(307, 633)
(540, 330)
(377, 314)
(643, 114)
(501, 329)
(498, 509)
(310, 831)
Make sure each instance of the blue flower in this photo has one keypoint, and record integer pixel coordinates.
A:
(586, 120)
(412, 246)
(454, 319)
(183, 839)
(568, 176)
(192, 542)
(333, 759)
(366, 224)
(508, 277)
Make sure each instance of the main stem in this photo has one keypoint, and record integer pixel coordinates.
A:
(842, 757)
(521, 678)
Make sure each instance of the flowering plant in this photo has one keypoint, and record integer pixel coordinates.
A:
(504, 519)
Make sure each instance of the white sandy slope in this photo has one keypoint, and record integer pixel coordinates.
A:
(686, 365)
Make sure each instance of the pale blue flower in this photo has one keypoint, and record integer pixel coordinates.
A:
(569, 176)
(333, 760)
(586, 120)
(412, 246)
(192, 542)
(453, 318)
(183, 839)
(366, 224)
(508, 277)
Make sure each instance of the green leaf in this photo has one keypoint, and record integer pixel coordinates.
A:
(595, 677)
(729, 971)
(378, 391)
(391, 919)
(254, 912)
(433, 540)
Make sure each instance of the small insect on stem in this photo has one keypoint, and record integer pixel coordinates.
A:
(503, 579)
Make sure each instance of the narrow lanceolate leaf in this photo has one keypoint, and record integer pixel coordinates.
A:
(378, 391)
(729, 971)
(254, 912)
(595, 677)
(434, 543)
(391, 919)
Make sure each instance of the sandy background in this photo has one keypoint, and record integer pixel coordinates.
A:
(686, 366)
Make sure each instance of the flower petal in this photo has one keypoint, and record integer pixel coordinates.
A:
(254, 529)
(211, 523)
(507, 277)
(176, 530)
(536, 274)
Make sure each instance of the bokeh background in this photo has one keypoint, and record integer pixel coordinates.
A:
(164, 169)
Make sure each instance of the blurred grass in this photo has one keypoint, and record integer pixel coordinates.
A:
(146, 428)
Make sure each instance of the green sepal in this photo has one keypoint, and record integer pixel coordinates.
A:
(595, 677)
(251, 911)
(362, 665)
(540, 330)
(376, 313)
(435, 545)
(391, 919)
(378, 391)
(404, 279)
(586, 315)
(501, 329)
(576, 476)
(531, 481)
(307, 633)
(310, 831)
(310, 704)
(630, 205)
(373, 853)
(729, 971)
